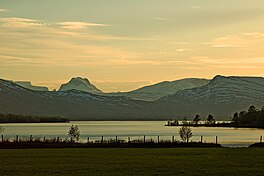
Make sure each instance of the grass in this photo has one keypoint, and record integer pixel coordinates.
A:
(133, 161)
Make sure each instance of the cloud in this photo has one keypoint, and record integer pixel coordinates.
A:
(224, 46)
(57, 30)
(20, 23)
(195, 7)
(182, 49)
(4, 10)
(13, 58)
(79, 25)
(249, 63)
(161, 19)
(180, 43)
(241, 40)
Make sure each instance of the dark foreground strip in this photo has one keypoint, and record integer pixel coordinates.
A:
(22, 145)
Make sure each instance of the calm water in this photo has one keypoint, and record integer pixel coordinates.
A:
(135, 129)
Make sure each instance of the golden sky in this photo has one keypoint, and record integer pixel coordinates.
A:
(121, 45)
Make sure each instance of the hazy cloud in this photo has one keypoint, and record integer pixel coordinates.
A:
(4, 10)
(237, 40)
(161, 19)
(79, 25)
(20, 23)
(195, 7)
(13, 59)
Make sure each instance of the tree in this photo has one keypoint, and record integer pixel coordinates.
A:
(185, 133)
(260, 118)
(74, 133)
(2, 129)
(196, 119)
(252, 113)
(210, 119)
(252, 109)
(235, 118)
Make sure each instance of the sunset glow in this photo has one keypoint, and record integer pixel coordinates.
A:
(121, 45)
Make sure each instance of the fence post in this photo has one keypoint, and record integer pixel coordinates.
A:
(260, 139)
(172, 139)
(128, 139)
(216, 138)
(16, 138)
(88, 139)
(58, 139)
(158, 139)
(31, 138)
(144, 139)
(102, 139)
(2, 136)
(116, 139)
(201, 139)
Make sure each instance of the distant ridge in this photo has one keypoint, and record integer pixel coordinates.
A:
(159, 90)
(28, 85)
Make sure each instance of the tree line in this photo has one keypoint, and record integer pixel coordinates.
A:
(16, 118)
(253, 117)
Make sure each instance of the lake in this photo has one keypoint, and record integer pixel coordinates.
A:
(230, 137)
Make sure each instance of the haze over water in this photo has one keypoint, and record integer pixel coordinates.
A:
(136, 130)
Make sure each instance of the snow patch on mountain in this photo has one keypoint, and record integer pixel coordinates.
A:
(221, 89)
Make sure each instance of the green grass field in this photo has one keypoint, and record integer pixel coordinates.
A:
(107, 161)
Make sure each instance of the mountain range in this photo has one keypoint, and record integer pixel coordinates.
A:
(81, 100)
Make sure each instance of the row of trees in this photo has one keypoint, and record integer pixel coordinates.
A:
(16, 118)
(210, 119)
(253, 117)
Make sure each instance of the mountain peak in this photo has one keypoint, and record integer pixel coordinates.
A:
(79, 83)
(79, 80)
(218, 77)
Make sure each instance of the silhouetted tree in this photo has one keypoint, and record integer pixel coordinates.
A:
(260, 118)
(210, 119)
(235, 118)
(74, 133)
(252, 109)
(196, 119)
(185, 133)
(252, 113)
(2, 129)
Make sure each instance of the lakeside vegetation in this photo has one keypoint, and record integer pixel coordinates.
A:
(251, 118)
(72, 141)
(16, 118)
(106, 161)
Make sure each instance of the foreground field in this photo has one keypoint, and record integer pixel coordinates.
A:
(106, 161)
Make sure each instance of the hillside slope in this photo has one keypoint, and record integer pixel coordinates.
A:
(159, 90)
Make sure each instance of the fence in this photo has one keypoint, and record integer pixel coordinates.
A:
(109, 139)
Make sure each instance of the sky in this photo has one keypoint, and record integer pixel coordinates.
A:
(121, 45)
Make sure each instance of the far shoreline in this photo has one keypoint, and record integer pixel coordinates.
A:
(142, 120)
